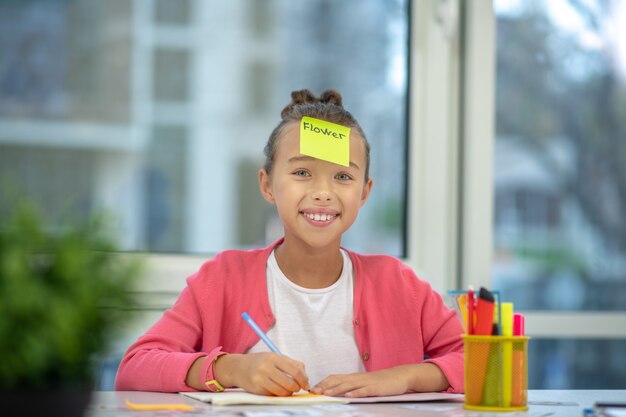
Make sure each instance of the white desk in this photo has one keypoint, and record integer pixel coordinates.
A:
(542, 403)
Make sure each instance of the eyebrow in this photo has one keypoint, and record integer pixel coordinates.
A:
(309, 158)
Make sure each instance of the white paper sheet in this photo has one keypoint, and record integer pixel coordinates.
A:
(238, 397)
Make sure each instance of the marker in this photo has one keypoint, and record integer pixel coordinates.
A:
(477, 369)
(484, 313)
(507, 353)
(461, 302)
(158, 407)
(518, 325)
(260, 333)
(518, 383)
(470, 310)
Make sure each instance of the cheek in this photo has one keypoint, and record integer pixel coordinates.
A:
(284, 192)
(355, 199)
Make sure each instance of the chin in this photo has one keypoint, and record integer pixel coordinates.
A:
(321, 243)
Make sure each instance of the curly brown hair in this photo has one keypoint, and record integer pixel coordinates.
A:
(328, 106)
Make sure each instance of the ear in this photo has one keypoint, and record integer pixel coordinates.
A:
(265, 185)
(367, 189)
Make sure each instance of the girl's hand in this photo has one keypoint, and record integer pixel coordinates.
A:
(262, 373)
(362, 384)
(425, 377)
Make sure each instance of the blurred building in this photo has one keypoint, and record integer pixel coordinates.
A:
(158, 111)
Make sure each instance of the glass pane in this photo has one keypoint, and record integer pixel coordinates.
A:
(598, 364)
(172, 12)
(560, 161)
(159, 113)
(560, 179)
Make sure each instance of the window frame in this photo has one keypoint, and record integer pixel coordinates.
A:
(450, 169)
(432, 157)
(478, 136)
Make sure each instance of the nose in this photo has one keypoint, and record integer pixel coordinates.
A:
(321, 191)
(322, 196)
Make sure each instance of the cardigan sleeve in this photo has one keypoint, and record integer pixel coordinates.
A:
(443, 345)
(204, 321)
(160, 359)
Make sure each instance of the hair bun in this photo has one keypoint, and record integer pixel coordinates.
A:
(302, 97)
(331, 97)
(298, 97)
(306, 97)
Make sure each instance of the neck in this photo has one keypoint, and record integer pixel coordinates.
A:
(309, 267)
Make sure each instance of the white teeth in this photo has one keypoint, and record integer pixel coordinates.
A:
(320, 217)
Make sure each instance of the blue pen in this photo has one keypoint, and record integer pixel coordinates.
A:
(258, 331)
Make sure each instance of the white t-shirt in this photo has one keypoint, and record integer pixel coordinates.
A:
(313, 326)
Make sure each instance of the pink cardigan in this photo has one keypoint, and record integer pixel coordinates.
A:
(398, 319)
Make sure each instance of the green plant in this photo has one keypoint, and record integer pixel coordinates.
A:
(64, 296)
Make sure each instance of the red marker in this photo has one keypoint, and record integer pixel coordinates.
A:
(518, 325)
(477, 367)
(484, 313)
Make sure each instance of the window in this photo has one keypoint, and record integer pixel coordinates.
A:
(159, 113)
(560, 179)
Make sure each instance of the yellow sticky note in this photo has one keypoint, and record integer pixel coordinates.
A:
(324, 140)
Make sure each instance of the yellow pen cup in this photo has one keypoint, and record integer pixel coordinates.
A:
(496, 373)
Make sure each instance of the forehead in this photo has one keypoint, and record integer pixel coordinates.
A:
(289, 144)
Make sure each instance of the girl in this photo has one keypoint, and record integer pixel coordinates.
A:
(346, 324)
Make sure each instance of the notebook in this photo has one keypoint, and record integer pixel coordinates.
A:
(239, 397)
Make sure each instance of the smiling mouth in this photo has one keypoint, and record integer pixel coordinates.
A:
(320, 217)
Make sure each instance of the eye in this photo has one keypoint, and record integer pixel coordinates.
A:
(301, 173)
(343, 177)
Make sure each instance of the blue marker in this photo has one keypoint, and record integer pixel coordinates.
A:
(258, 331)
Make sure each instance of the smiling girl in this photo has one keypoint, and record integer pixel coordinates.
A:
(347, 324)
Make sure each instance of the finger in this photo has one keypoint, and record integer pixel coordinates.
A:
(344, 386)
(329, 383)
(316, 390)
(286, 381)
(295, 370)
(301, 378)
(367, 391)
(339, 390)
(276, 389)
